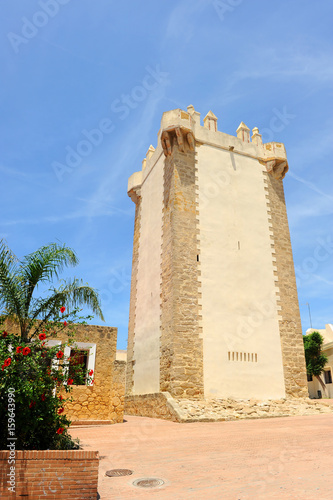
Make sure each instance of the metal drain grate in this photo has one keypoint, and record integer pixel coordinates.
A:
(118, 472)
(148, 482)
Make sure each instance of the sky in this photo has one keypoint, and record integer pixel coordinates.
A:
(83, 87)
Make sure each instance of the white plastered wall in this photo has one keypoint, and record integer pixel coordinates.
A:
(147, 312)
(327, 349)
(315, 385)
(239, 311)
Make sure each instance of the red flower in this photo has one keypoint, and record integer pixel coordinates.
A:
(43, 343)
(32, 404)
(93, 381)
(91, 372)
(70, 381)
(60, 430)
(19, 349)
(60, 354)
(61, 397)
(62, 309)
(3, 367)
(42, 336)
(26, 351)
(4, 334)
(7, 361)
(65, 323)
(61, 410)
(43, 397)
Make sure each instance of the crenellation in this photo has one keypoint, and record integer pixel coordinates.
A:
(210, 121)
(256, 137)
(243, 133)
(150, 152)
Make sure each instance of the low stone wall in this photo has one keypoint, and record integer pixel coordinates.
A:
(49, 475)
(229, 409)
(159, 405)
(118, 391)
(163, 405)
(98, 402)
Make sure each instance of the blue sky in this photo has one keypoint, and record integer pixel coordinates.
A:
(72, 67)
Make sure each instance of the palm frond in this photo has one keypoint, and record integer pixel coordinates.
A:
(18, 282)
(79, 294)
(72, 294)
(12, 294)
(43, 265)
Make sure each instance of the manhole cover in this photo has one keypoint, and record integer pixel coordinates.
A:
(148, 483)
(118, 472)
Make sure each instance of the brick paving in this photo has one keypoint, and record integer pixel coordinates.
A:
(278, 458)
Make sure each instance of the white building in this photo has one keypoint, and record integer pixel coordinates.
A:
(316, 389)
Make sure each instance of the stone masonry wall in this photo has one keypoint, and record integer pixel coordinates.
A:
(159, 405)
(182, 410)
(118, 390)
(98, 402)
(181, 350)
(290, 321)
(133, 297)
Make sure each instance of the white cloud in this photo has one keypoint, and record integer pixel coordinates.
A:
(54, 219)
(180, 23)
(283, 63)
(137, 133)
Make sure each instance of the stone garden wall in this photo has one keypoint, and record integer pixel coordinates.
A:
(103, 402)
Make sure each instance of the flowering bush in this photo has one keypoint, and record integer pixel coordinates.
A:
(40, 379)
(32, 376)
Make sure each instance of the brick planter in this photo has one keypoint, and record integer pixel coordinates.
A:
(49, 475)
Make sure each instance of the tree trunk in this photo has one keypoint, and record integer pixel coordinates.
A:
(322, 384)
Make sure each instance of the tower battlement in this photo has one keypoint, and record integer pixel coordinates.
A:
(184, 127)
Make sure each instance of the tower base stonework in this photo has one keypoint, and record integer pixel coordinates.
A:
(163, 405)
(214, 311)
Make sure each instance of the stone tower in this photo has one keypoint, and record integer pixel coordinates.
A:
(214, 310)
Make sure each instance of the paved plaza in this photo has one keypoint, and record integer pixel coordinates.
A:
(278, 458)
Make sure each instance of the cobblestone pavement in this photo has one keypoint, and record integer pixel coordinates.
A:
(278, 458)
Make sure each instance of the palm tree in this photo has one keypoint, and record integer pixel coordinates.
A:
(19, 279)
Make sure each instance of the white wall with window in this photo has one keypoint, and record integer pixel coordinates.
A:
(53, 343)
(325, 390)
(80, 348)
